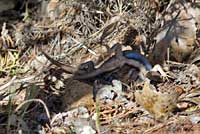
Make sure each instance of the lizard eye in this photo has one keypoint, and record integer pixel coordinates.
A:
(176, 40)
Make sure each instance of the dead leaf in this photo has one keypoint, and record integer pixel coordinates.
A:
(195, 57)
(178, 32)
(55, 8)
(160, 105)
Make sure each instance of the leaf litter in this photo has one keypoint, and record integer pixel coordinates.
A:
(38, 97)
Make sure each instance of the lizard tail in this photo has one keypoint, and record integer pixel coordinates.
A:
(65, 68)
(139, 58)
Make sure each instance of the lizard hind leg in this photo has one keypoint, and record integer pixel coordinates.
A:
(118, 50)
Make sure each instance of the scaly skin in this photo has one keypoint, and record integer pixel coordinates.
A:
(117, 61)
(112, 64)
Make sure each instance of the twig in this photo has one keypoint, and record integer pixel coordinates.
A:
(83, 46)
(8, 84)
(14, 80)
(155, 128)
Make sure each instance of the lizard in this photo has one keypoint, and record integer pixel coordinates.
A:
(112, 63)
(117, 61)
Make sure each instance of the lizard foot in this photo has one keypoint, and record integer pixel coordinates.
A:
(164, 75)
